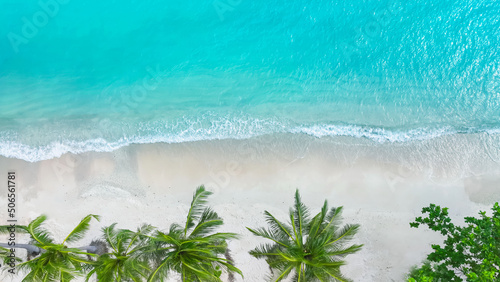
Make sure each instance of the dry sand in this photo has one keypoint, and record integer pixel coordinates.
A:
(382, 187)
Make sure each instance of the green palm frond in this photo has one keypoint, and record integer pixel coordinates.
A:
(80, 230)
(301, 216)
(20, 229)
(109, 235)
(326, 273)
(332, 220)
(341, 251)
(140, 238)
(283, 273)
(4, 256)
(169, 238)
(143, 230)
(280, 230)
(37, 233)
(161, 271)
(120, 268)
(264, 233)
(271, 251)
(345, 234)
(175, 228)
(209, 221)
(197, 206)
(123, 240)
(318, 221)
(219, 237)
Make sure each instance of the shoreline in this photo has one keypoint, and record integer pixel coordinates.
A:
(88, 136)
(381, 186)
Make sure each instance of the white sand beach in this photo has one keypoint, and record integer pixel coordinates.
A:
(382, 187)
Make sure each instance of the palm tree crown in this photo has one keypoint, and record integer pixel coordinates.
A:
(124, 262)
(55, 262)
(311, 248)
(193, 250)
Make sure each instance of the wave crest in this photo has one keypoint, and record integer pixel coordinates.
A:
(105, 136)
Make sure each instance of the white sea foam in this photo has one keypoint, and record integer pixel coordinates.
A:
(206, 128)
(380, 135)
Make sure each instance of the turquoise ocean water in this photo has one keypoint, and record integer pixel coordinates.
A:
(94, 75)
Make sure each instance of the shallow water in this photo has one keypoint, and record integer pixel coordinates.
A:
(91, 76)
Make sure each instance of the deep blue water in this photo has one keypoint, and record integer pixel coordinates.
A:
(96, 75)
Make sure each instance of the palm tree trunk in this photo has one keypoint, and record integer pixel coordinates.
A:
(30, 248)
(34, 250)
(88, 249)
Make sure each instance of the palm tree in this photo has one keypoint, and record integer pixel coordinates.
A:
(310, 248)
(194, 250)
(53, 262)
(124, 262)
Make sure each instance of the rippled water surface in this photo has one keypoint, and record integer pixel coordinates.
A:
(97, 75)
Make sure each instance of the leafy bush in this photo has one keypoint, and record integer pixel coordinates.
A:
(470, 253)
